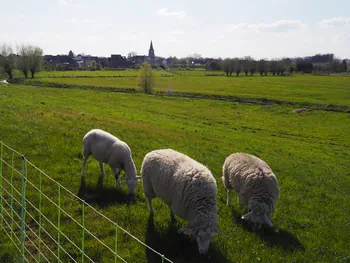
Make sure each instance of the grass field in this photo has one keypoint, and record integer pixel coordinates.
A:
(308, 152)
(298, 88)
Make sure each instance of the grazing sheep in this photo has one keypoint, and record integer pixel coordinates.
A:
(187, 187)
(106, 148)
(255, 183)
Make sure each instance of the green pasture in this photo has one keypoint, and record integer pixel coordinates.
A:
(309, 153)
(297, 88)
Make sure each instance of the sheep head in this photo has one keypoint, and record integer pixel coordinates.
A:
(203, 237)
(258, 215)
(132, 182)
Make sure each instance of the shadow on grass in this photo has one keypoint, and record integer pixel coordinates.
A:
(102, 196)
(272, 237)
(177, 247)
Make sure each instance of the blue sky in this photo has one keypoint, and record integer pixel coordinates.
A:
(221, 28)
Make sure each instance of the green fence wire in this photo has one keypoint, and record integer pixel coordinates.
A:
(40, 236)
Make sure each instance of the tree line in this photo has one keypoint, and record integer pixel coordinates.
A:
(249, 66)
(27, 59)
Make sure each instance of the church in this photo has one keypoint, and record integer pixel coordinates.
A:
(151, 58)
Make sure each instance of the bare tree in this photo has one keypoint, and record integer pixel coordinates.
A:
(146, 78)
(281, 67)
(35, 55)
(7, 59)
(132, 54)
(252, 67)
(273, 67)
(344, 65)
(93, 65)
(237, 66)
(23, 59)
(262, 66)
(228, 66)
(245, 65)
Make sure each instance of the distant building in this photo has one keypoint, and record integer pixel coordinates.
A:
(151, 58)
(67, 61)
(87, 60)
(114, 61)
(118, 61)
(151, 52)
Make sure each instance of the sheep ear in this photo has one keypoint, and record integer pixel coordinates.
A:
(246, 216)
(267, 220)
(187, 230)
(217, 230)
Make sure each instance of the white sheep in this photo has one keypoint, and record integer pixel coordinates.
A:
(106, 148)
(187, 187)
(255, 183)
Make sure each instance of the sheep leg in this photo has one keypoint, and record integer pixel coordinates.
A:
(117, 178)
(102, 169)
(228, 197)
(83, 168)
(172, 216)
(241, 200)
(150, 206)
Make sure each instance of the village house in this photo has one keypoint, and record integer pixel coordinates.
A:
(114, 61)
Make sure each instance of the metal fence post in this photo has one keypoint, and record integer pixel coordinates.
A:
(13, 168)
(23, 209)
(1, 215)
(83, 232)
(59, 223)
(116, 243)
(40, 196)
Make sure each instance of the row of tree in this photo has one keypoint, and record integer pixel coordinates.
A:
(251, 66)
(27, 59)
(277, 67)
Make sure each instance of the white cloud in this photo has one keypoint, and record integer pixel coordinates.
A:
(278, 26)
(64, 2)
(343, 37)
(73, 21)
(177, 32)
(77, 21)
(165, 12)
(175, 36)
(335, 21)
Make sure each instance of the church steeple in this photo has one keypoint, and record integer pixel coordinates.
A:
(151, 51)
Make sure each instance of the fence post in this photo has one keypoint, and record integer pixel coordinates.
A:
(59, 222)
(1, 182)
(116, 243)
(40, 196)
(13, 168)
(23, 208)
(83, 233)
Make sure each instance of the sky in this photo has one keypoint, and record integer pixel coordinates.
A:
(221, 28)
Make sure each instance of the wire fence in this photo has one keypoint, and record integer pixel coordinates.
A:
(37, 216)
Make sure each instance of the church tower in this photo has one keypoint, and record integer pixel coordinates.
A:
(151, 52)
